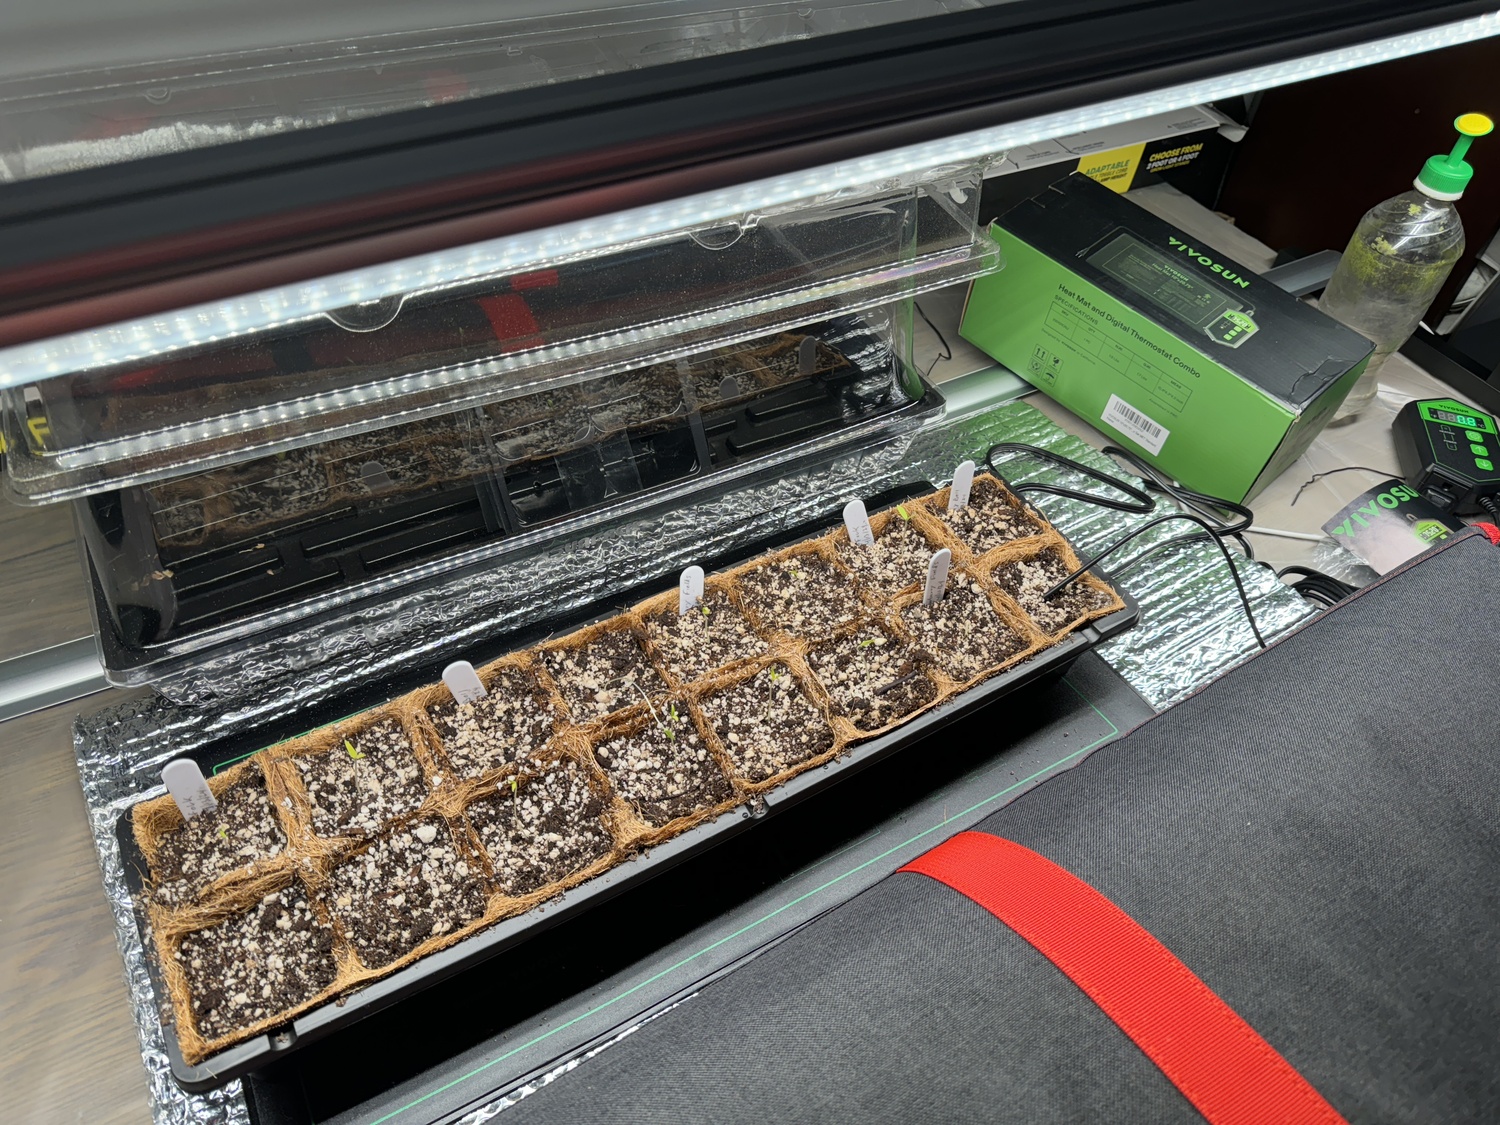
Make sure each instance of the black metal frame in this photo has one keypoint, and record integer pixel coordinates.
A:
(94, 246)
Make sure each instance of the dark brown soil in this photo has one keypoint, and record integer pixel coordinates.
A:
(897, 560)
(541, 828)
(663, 768)
(802, 596)
(1027, 580)
(511, 724)
(544, 436)
(719, 377)
(989, 519)
(962, 633)
(404, 889)
(873, 678)
(607, 674)
(240, 833)
(363, 781)
(258, 964)
(781, 362)
(223, 505)
(713, 634)
(767, 724)
(636, 398)
(396, 457)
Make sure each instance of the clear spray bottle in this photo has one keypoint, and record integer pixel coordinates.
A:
(1400, 255)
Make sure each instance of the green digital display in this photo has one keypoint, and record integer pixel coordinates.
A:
(1447, 412)
(1466, 420)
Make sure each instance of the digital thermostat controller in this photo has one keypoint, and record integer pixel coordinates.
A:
(1448, 453)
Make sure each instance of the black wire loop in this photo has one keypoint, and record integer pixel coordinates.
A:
(1147, 526)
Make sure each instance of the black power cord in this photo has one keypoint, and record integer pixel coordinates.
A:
(946, 353)
(1140, 502)
(1315, 586)
(1491, 508)
(1211, 508)
(1218, 542)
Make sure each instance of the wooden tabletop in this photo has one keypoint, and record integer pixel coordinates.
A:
(68, 1047)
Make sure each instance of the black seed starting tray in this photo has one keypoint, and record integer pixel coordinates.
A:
(319, 1022)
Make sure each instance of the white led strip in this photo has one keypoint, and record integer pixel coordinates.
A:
(152, 337)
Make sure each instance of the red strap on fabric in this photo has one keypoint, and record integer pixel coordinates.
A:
(1231, 1074)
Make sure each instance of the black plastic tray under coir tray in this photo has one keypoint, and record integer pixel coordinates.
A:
(265, 1049)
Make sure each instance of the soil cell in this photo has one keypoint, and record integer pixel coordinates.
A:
(605, 674)
(898, 558)
(510, 724)
(872, 677)
(362, 781)
(1027, 580)
(637, 397)
(545, 437)
(719, 378)
(663, 768)
(240, 833)
(406, 888)
(781, 362)
(543, 829)
(255, 965)
(989, 519)
(767, 724)
(710, 635)
(962, 633)
(801, 596)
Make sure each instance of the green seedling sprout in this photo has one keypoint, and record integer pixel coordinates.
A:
(705, 610)
(665, 726)
(223, 833)
(776, 674)
(866, 643)
(513, 787)
(902, 512)
(349, 749)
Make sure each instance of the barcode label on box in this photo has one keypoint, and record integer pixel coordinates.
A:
(1133, 424)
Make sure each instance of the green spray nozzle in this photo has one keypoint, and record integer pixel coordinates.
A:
(1445, 177)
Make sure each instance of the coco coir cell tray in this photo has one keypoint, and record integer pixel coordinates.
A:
(357, 860)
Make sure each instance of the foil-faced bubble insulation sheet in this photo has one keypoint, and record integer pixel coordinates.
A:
(1192, 628)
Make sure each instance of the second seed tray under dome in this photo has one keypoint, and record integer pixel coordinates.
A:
(228, 548)
(369, 857)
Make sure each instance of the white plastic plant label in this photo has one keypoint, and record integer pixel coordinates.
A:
(857, 522)
(807, 355)
(937, 577)
(463, 682)
(963, 484)
(689, 589)
(184, 780)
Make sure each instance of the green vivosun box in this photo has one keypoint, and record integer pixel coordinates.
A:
(1215, 375)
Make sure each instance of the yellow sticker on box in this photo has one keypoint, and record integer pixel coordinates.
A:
(1114, 169)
